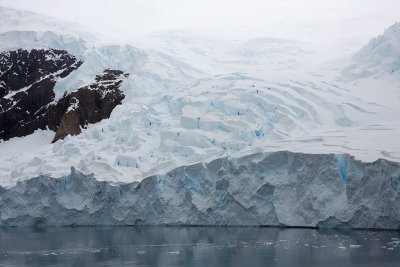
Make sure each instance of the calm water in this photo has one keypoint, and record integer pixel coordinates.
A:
(196, 246)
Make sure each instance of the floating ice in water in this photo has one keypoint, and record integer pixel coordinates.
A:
(395, 243)
(355, 246)
(141, 252)
(341, 247)
(174, 252)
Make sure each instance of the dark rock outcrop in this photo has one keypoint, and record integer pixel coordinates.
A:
(89, 104)
(22, 68)
(274, 189)
(27, 80)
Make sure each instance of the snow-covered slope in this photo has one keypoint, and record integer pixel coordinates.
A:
(22, 20)
(381, 56)
(13, 40)
(264, 57)
(191, 98)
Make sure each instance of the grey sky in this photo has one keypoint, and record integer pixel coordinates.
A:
(351, 20)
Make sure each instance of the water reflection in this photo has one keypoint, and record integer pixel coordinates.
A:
(196, 246)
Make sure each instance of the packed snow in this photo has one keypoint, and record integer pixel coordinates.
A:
(381, 57)
(192, 98)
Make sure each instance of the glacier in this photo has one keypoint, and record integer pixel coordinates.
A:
(193, 141)
(193, 97)
(264, 189)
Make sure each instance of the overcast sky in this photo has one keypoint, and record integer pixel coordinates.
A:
(353, 21)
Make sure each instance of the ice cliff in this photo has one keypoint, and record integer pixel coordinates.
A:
(277, 189)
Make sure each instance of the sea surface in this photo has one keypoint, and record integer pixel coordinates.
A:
(197, 246)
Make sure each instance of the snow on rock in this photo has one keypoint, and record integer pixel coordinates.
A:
(28, 79)
(276, 189)
(89, 104)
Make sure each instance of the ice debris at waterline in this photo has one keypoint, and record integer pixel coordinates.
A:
(277, 189)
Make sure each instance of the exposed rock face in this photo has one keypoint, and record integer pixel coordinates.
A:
(281, 188)
(89, 104)
(27, 80)
(70, 124)
(22, 68)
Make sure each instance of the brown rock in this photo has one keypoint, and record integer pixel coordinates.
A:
(89, 104)
(24, 111)
(69, 125)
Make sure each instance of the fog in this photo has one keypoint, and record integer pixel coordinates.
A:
(347, 24)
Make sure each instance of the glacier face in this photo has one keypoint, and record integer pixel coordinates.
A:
(279, 189)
